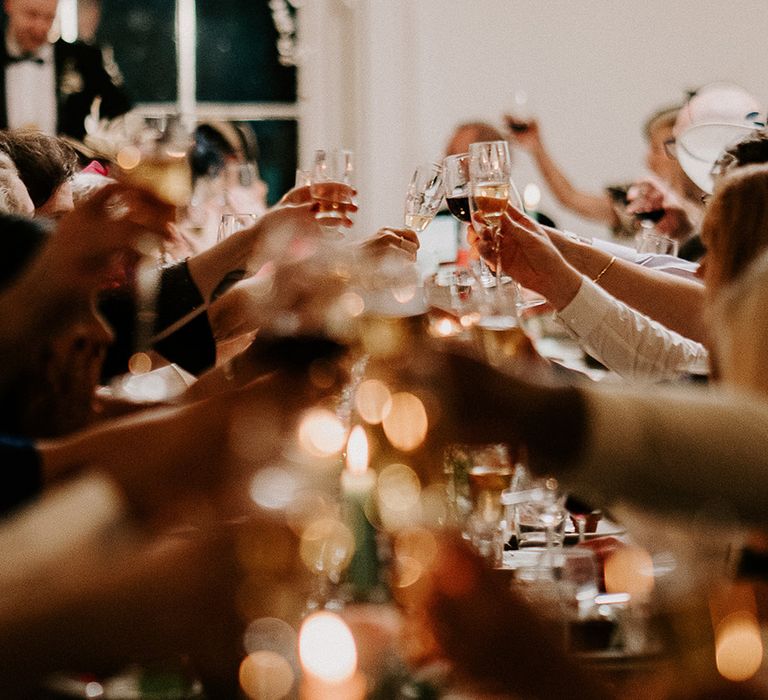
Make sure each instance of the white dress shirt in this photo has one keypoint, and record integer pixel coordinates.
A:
(628, 342)
(30, 90)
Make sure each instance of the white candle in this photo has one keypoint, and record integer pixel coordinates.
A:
(357, 479)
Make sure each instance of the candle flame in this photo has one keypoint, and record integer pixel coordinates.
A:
(357, 451)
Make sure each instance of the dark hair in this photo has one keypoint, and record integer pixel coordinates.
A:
(751, 149)
(44, 162)
(22, 239)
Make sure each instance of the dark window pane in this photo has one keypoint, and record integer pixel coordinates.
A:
(237, 54)
(142, 33)
(277, 155)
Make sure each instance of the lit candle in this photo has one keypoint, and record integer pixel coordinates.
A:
(358, 482)
(357, 479)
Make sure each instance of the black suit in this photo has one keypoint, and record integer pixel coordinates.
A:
(80, 78)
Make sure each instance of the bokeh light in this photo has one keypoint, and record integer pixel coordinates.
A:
(630, 570)
(271, 634)
(327, 545)
(399, 494)
(415, 550)
(406, 423)
(373, 401)
(128, 157)
(327, 648)
(531, 195)
(266, 675)
(738, 646)
(140, 363)
(321, 433)
(273, 488)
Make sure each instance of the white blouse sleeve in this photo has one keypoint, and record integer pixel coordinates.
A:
(685, 449)
(628, 342)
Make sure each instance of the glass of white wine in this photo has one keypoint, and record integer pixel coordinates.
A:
(424, 197)
(331, 177)
(155, 157)
(490, 176)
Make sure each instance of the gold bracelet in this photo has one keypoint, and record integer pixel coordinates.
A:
(605, 269)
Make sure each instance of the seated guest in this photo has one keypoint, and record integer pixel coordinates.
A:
(619, 444)
(602, 207)
(45, 165)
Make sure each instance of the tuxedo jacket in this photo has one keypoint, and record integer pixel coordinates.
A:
(80, 78)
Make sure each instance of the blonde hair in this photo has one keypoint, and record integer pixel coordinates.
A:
(735, 227)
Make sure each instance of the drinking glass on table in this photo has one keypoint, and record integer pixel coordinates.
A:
(329, 187)
(232, 223)
(490, 473)
(425, 194)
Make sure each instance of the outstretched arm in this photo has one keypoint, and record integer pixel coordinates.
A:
(591, 205)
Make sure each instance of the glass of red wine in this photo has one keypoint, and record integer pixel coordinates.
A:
(456, 182)
(583, 516)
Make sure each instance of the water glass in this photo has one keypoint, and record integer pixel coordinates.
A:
(650, 241)
(232, 223)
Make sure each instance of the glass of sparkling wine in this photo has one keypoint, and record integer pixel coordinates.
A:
(331, 177)
(156, 158)
(424, 197)
(490, 175)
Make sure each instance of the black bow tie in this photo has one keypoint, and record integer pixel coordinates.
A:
(26, 57)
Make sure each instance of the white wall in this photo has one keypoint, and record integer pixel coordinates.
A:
(594, 69)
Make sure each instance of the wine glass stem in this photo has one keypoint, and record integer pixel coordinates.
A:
(581, 524)
(497, 239)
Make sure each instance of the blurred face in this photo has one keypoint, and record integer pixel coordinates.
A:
(58, 204)
(657, 160)
(460, 141)
(29, 21)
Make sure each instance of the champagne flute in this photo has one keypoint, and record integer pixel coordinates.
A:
(456, 182)
(331, 178)
(490, 174)
(424, 197)
(154, 156)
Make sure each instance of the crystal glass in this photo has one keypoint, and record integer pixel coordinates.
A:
(424, 196)
(651, 241)
(490, 174)
(331, 169)
(456, 183)
(155, 156)
(232, 223)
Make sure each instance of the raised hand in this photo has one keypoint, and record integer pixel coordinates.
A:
(527, 255)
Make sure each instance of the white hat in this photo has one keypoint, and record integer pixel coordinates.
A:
(700, 146)
(717, 116)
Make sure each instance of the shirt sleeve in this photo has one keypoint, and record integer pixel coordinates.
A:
(21, 475)
(628, 342)
(676, 450)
